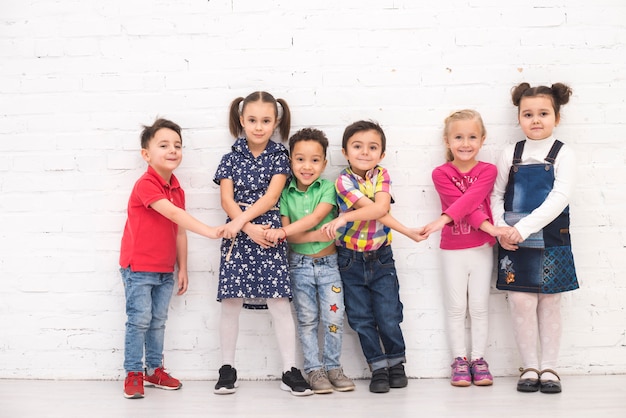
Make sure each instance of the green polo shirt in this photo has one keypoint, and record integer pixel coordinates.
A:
(296, 204)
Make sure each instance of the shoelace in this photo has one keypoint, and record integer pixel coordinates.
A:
(460, 366)
(480, 366)
(317, 376)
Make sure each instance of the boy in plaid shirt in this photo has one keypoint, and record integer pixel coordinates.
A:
(363, 238)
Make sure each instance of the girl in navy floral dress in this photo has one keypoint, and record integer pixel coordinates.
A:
(254, 271)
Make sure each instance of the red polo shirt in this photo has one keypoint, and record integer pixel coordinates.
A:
(149, 240)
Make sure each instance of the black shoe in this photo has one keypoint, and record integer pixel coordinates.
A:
(293, 382)
(397, 377)
(550, 386)
(227, 383)
(380, 381)
(528, 385)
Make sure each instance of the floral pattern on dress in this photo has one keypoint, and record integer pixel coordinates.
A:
(251, 272)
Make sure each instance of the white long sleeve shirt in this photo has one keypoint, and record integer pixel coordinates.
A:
(535, 152)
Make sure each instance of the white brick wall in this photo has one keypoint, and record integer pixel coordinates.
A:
(77, 79)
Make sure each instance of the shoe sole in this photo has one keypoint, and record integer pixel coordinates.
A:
(484, 382)
(133, 396)
(323, 391)
(154, 385)
(286, 388)
(344, 389)
(226, 391)
(461, 384)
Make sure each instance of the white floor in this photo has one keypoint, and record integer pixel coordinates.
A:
(583, 396)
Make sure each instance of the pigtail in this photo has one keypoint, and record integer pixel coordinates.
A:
(284, 123)
(517, 92)
(234, 121)
(561, 93)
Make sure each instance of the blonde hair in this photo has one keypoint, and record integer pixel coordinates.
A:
(465, 114)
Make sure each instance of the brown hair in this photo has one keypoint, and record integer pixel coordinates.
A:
(465, 114)
(309, 134)
(360, 126)
(148, 132)
(284, 122)
(558, 93)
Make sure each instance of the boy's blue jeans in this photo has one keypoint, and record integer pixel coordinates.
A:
(318, 297)
(373, 306)
(147, 301)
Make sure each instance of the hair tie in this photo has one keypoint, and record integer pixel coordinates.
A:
(241, 107)
(279, 110)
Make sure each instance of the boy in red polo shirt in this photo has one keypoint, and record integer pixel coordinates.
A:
(154, 241)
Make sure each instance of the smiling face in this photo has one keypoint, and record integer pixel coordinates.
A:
(258, 121)
(307, 162)
(164, 152)
(464, 139)
(364, 151)
(537, 117)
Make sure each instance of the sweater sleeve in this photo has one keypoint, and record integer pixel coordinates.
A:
(503, 165)
(459, 205)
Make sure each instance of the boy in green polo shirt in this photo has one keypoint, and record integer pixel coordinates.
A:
(307, 203)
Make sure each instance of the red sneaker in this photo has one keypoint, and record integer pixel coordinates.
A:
(160, 379)
(133, 385)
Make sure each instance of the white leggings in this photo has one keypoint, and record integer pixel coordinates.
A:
(466, 281)
(279, 308)
(536, 319)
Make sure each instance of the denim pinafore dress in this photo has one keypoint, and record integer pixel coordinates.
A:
(544, 262)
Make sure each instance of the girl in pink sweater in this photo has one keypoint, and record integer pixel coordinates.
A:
(464, 185)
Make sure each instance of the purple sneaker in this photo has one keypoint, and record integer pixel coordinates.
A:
(460, 373)
(480, 373)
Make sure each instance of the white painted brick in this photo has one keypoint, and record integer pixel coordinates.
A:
(79, 79)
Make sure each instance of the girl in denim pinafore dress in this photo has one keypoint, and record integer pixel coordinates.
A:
(535, 262)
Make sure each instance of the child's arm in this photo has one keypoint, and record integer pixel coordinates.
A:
(366, 210)
(465, 204)
(240, 220)
(181, 260)
(416, 234)
(294, 230)
(497, 231)
(185, 220)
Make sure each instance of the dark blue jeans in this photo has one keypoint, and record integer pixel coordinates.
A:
(373, 306)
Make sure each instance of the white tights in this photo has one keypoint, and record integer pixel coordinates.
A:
(536, 320)
(279, 308)
(466, 281)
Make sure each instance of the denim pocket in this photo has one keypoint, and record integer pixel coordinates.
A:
(385, 259)
(344, 262)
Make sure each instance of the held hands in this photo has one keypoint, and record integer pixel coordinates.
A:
(417, 234)
(509, 237)
(330, 228)
(232, 228)
(275, 235)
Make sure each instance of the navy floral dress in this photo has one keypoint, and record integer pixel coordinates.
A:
(246, 269)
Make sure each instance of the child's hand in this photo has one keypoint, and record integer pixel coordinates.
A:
(507, 243)
(275, 235)
(257, 234)
(502, 231)
(232, 228)
(183, 281)
(417, 234)
(217, 232)
(330, 228)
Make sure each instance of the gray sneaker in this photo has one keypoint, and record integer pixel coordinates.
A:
(340, 381)
(319, 381)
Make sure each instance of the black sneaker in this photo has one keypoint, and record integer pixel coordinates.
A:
(294, 382)
(397, 377)
(380, 381)
(227, 383)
